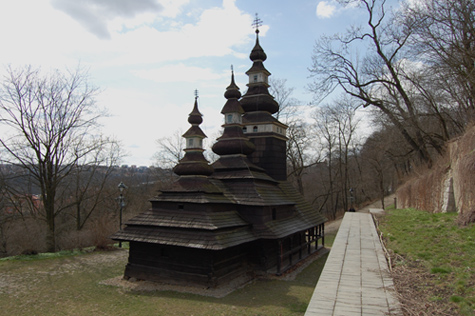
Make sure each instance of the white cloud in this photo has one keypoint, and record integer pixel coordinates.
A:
(171, 8)
(178, 73)
(43, 35)
(217, 32)
(95, 15)
(325, 9)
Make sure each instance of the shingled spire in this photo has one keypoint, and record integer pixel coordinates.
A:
(194, 163)
(257, 97)
(233, 141)
(262, 129)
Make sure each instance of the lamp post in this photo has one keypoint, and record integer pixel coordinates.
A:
(351, 200)
(121, 187)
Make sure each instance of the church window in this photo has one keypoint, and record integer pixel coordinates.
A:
(190, 142)
(244, 129)
(229, 118)
(255, 78)
(254, 129)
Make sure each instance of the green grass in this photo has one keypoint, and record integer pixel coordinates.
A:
(69, 284)
(443, 249)
(47, 255)
(329, 239)
(59, 254)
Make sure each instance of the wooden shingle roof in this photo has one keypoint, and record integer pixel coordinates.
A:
(255, 192)
(203, 239)
(188, 219)
(304, 217)
(215, 222)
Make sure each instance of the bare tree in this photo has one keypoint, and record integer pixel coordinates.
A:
(88, 184)
(342, 114)
(52, 122)
(444, 38)
(380, 158)
(327, 132)
(170, 150)
(283, 96)
(336, 126)
(377, 78)
(301, 151)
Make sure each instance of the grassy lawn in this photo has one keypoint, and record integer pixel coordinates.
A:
(441, 254)
(69, 285)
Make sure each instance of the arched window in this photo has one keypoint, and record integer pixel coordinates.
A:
(244, 129)
(254, 129)
(229, 118)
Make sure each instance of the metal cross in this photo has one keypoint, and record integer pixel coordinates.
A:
(257, 22)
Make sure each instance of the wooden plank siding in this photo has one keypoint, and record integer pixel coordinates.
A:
(180, 265)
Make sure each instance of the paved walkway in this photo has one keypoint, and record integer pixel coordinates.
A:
(355, 279)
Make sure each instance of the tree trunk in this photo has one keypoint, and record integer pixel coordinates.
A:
(50, 234)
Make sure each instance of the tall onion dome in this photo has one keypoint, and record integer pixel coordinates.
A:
(194, 163)
(257, 97)
(233, 141)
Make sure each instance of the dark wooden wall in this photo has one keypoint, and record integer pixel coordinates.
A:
(270, 154)
(181, 265)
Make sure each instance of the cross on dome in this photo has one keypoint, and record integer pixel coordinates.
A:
(257, 22)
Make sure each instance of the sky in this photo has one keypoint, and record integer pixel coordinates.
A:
(149, 56)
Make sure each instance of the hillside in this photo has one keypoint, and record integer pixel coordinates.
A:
(449, 186)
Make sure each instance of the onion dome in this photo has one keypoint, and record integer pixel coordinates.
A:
(232, 91)
(232, 141)
(257, 53)
(257, 97)
(194, 163)
(195, 117)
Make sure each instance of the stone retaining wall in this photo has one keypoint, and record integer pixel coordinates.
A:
(449, 186)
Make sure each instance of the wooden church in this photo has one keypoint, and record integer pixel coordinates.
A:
(236, 217)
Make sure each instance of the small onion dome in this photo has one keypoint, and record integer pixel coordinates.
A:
(195, 117)
(232, 91)
(257, 52)
(233, 141)
(194, 163)
(232, 94)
